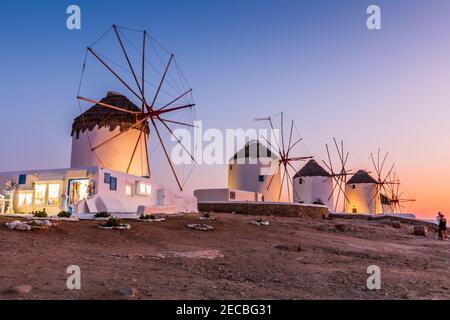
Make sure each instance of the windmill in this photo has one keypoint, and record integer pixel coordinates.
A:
(170, 95)
(383, 182)
(339, 175)
(395, 194)
(284, 151)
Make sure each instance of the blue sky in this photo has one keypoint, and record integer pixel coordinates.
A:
(314, 60)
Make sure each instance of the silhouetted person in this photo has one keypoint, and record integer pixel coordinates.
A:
(442, 227)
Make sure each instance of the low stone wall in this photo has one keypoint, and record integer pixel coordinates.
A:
(379, 217)
(265, 208)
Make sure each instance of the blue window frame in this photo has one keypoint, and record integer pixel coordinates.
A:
(261, 178)
(107, 177)
(113, 183)
(22, 179)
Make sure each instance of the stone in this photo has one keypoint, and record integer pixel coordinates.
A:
(420, 231)
(396, 224)
(128, 292)
(22, 289)
(340, 227)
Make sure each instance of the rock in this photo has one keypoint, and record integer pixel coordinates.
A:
(396, 224)
(22, 289)
(201, 227)
(128, 292)
(340, 227)
(260, 223)
(420, 231)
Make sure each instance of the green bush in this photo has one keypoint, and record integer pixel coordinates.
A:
(113, 222)
(102, 214)
(64, 214)
(40, 214)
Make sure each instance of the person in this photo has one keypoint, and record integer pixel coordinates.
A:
(442, 227)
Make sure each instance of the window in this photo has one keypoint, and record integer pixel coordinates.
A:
(261, 178)
(231, 167)
(353, 186)
(113, 183)
(39, 194)
(354, 210)
(25, 199)
(22, 179)
(143, 189)
(300, 181)
(53, 194)
(232, 195)
(128, 189)
(107, 177)
(77, 135)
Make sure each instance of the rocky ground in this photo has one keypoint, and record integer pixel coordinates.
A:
(293, 258)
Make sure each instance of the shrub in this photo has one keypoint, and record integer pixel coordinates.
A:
(113, 222)
(206, 215)
(64, 214)
(102, 214)
(40, 214)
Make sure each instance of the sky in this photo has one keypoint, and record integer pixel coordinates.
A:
(314, 60)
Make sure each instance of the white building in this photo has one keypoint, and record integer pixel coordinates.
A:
(362, 194)
(102, 181)
(313, 185)
(252, 168)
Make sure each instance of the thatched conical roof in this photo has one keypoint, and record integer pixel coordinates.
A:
(255, 150)
(361, 177)
(312, 169)
(101, 116)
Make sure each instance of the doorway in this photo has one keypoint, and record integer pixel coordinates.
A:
(78, 190)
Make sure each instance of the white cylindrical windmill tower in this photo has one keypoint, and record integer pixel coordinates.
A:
(313, 184)
(110, 138)
(362, 194)
(253, 169)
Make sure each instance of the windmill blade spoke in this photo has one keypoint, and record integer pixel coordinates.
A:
(282, 185)
(178, 140)
(114, 73)
(175, 108)
(275, 138)
(162, 81)
(299, 158)
(147, 155)
(129, 63)
(134, 150)
(175, 100)
(290, 139)
(273, 176)
(329, 159)
(178, 122)
(294, 144)
(383, 162)
(144, 103)
(119, 134)
(108, 105)
(166, 154)
(271, 146)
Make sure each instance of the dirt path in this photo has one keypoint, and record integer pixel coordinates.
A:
(293, 258)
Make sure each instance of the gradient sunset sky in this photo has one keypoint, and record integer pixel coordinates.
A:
(314, 60)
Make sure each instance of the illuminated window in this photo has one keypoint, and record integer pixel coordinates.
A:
(128, 190)
(39, 194)
(53, 194)
(232, 195)
(25, 199)
(143, 189)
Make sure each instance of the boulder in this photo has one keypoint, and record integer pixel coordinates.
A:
(396, 224)
(22, 289)
(421, 231)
